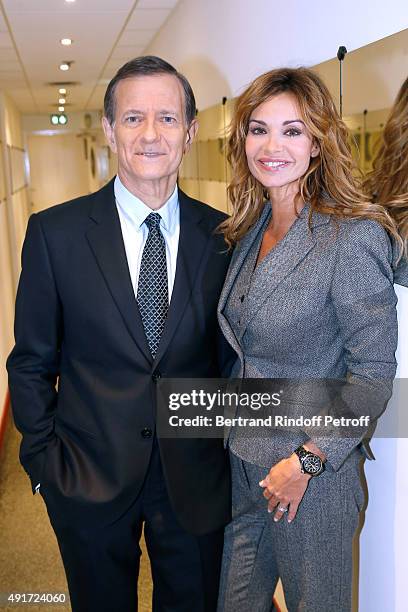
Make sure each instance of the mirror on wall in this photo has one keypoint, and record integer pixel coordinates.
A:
(372, 76)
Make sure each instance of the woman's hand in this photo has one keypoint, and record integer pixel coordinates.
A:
(285, 485)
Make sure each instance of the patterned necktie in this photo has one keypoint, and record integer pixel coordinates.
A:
(152, 290)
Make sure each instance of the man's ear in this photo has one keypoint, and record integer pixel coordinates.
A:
(191, 134)
(110, 134)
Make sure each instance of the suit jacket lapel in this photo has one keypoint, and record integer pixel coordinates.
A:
(106, 242)
(193, 241)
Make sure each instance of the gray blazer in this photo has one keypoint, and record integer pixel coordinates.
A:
(320, 305)
(401, 273)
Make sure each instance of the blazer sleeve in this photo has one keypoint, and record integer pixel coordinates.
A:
(33, 364)
(401, 272)
(365, 304)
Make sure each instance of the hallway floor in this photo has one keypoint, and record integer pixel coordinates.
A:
(29, 555)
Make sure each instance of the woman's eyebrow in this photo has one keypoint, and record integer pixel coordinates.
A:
(294, 121)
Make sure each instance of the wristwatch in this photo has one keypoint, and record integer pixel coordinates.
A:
(309, 462)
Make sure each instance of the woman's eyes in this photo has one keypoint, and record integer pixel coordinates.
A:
(257, 130)
(289, 132)
(292, 132)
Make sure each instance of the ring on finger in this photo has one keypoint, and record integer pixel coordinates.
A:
(282, 509)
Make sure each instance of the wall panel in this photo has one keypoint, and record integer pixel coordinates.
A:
(6, 302)
(58, 169)
(13, 221)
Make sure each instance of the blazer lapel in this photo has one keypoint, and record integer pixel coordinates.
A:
(240, 253)
(193, 241)
(282, 260)
(106, 242)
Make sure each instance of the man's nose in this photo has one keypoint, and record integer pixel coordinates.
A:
(150, 131)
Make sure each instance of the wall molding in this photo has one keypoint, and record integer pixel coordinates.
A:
(17, 148)
(20, 189)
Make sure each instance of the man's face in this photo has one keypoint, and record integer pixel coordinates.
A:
(149, 134)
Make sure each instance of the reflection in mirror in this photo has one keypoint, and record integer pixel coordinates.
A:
(388, 181)
(372, 77)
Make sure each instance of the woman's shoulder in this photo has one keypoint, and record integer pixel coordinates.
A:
(401, 272)
(357, 240)
(362, 230)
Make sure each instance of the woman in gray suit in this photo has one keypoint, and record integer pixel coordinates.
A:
(308, 296)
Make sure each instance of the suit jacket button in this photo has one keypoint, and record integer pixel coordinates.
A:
(146, 433)
(156, 376)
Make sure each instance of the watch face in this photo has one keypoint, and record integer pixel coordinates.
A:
(312, 464)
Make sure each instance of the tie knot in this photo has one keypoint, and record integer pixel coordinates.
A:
(153, 221)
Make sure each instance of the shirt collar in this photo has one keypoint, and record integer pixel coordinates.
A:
(137, 211)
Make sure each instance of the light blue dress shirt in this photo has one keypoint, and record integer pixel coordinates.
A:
(132, 214)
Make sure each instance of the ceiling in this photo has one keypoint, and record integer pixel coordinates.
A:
(106, 34)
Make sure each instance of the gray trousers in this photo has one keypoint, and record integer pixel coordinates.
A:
(312, 555)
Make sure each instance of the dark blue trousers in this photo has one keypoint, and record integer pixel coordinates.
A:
(102, 563)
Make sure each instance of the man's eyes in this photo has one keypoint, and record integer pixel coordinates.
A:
(168, 119)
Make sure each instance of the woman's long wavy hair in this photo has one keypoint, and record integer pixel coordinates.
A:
(387, 184)
(330, 183)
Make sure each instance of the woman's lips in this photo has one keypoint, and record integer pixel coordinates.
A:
(273, 165)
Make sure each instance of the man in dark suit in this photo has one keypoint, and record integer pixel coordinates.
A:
(118, 289)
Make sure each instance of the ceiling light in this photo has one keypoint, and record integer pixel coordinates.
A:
(62, 119)
(61, 109)
(61, 101)
(69, 0)
(62, 91)
(66, 41)
(54, 119)
(64, 66)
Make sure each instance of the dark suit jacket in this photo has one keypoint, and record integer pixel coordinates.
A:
(89, 440)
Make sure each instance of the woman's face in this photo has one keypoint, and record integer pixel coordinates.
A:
(278, 145)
